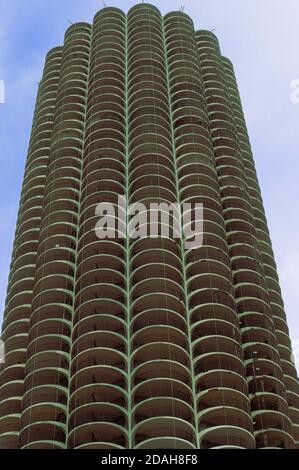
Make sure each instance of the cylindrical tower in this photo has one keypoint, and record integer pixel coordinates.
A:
(162, 412)
(290, 378)
(222, 410)
(138, 340)
(98, 415)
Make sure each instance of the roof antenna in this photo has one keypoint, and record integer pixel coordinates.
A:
(70, 22)
(214, 29)
(182, 9)
(104, 3)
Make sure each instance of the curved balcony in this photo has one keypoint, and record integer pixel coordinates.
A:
(159, 333)
(213, 296)
(156, 270)
(256, 320)
(222, 397)
(99, 322)
(161, 287)
(97, 412)
(12, 389)
(253, 304)
(207, 279)
(99, 339)
(98, 435)
(44, 394)
(102, 276)
(98, 307)
(291, 384)
(265, 402)
(14, 373)
(206, 256)
(265, 384)
(273, 438)
(157, 181)
(280, 324)
(214, 327)
(9, 440)
(17, 342)
(104, 253)
(224, 416)
(100, 291)
(226, 378)
(261, 366)
(210, 344)
(293, 399)
(42, 412)
(159, 351)
(47, 359)
(42, 431)
(167, 367)
(160, 406)
(46, 376)
(153, 94)
(110, 386)
(160, 318)
(21, 312)
(226, 437)
(153, 253)
(163, 428)
(258, 334)
(114, 167)
(102, 356)
(219, 360)
(260, 350)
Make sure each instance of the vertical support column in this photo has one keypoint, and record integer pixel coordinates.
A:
(269, 409)
(22, 269)
(223, 414)
(44, 407)
(281, 329)
(161, 382)
(98, 388)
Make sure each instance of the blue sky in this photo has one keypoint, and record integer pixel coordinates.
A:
(260, 37)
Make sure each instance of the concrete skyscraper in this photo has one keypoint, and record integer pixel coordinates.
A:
(143, 343)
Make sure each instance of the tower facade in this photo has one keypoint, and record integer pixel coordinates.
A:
(124, 343)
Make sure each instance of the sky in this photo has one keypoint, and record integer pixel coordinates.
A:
(260, 37)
